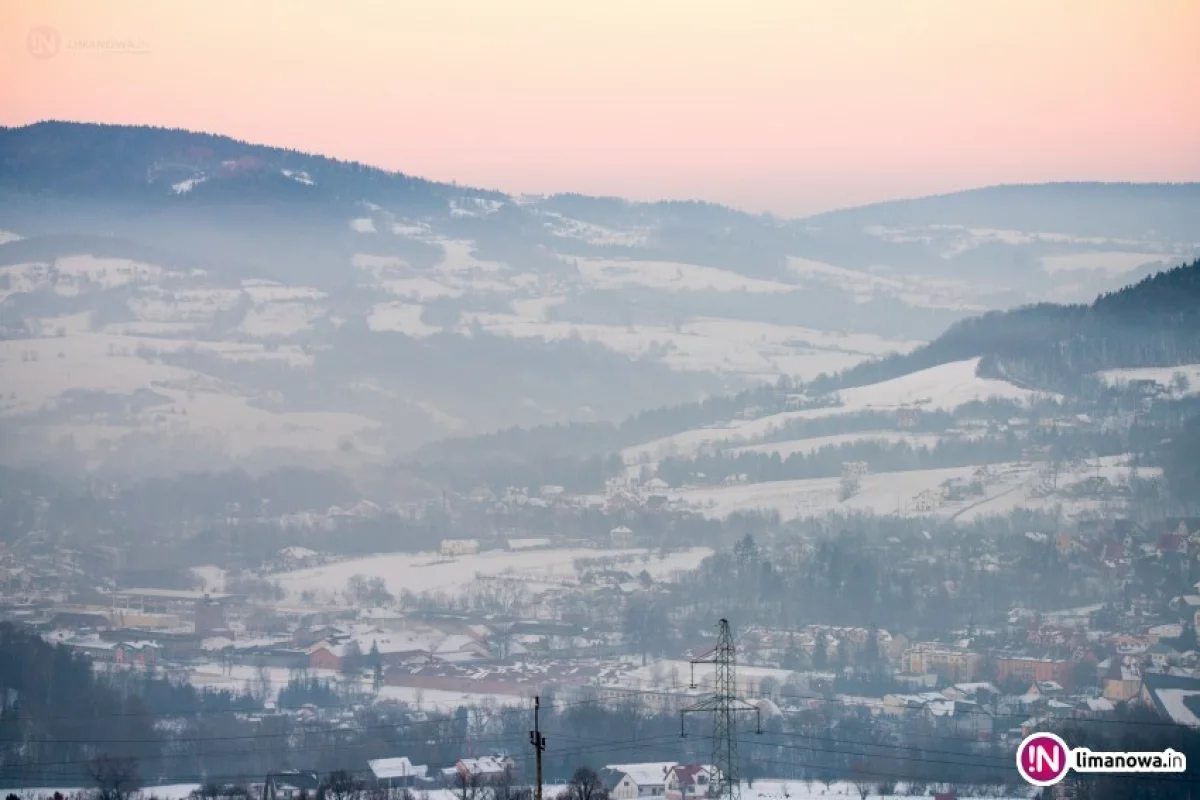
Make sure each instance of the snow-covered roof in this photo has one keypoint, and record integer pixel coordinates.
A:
(384, 768)
(1173, 703)
(648, 774)
(484, 765)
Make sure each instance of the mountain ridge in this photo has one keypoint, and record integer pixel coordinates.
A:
(254, 292)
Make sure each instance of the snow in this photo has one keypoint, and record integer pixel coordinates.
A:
(1164, 376)
(807, 446)
(298, 177)
(944, 387)
(262, 291)
(280, 319)
(913, 290)
(420, 289)
(762, 789)
(457, 258)
(1006, 487)
(175, 791)
(183, 187)
(400, 318)
(881, 493)
(1112, 262)
(1177, 710)
(672, 276)
(429, 572)
(569, 228)
(8, 236)
(212, 578)
(645, 773)
(757, 350)
(362, 225)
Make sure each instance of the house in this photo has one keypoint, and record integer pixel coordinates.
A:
(397, 773)
(144, 653)
(290, 785)
(688, 780)
(1174, 696)
(981, 693)
(630, 781)
(1026, 668)
(960, 719)
(621, 536)
(324, 655)
(952, 663)
(1121, 682)
(461, 647)
(459, 547)
(394, 648)
(485, 769)
(1045, 689)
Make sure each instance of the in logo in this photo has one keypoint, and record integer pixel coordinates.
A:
(43, 42)
(1042, 759)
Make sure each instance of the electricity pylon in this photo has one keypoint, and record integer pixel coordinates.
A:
(723, 705)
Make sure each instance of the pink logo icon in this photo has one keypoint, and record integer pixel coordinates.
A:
(43, 42)
(1043, 759)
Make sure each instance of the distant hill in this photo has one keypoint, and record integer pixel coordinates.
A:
(287, 302)
(1153, 323)
(1104, 210)
(147, 163)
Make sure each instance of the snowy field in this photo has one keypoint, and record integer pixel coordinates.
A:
(807, 446)
(912, 290)
(757, 350)
(916, 492)
(944, 387)
(672, 276)
(213, 676)
(430, 572)
(1112, 262)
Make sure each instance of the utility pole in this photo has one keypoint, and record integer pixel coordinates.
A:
(723, 705)
(539, 743)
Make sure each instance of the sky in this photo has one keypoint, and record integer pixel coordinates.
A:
(789, 106)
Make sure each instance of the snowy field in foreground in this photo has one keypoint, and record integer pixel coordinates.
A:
(429, 572)
(763, 789)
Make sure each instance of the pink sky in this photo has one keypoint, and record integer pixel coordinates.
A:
(792, 106)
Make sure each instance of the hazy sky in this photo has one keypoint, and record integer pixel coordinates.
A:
(787, 105)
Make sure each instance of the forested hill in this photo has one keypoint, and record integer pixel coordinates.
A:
(1153, 323)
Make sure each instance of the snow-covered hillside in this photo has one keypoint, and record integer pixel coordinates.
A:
(944, 387)
(284, 304)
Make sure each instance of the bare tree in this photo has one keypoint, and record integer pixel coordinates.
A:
(116, 778)
(342, 785)
(468, 786)
(504, 788)
(862, 780)
(586, 784)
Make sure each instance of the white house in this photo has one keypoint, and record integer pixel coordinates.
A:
(397, 772)
(459, 547)
(621, 536)
(631, 781)
(688, 781)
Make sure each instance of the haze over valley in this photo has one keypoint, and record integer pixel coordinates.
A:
(599, 401)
